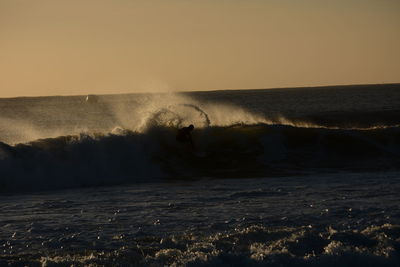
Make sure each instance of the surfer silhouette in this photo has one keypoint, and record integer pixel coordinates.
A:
(184, 135)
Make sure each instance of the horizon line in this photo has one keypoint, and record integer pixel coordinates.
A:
(209, 90)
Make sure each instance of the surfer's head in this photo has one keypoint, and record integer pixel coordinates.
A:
(191, 127)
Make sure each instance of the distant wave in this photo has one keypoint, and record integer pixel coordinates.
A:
(230, 151)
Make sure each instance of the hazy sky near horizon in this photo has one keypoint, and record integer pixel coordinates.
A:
(57, 47)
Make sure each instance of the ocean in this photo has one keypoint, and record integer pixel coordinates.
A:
(278, 177)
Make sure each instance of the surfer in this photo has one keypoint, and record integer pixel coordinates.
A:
(184, 135)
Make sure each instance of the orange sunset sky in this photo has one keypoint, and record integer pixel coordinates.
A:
(56, 47)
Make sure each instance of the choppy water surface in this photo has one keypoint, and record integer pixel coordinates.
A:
(350, 219)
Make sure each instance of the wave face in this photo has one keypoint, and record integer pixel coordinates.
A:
(230, 151)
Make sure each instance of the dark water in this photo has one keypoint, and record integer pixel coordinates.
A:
(341, 106)
(286, 177)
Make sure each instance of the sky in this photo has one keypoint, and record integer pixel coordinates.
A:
(75, 47)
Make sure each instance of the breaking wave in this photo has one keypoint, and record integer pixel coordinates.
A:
(259, 150)
(249, 246)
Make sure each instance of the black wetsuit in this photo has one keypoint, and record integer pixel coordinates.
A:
(183, 135)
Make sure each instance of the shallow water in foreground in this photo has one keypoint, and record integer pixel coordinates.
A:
(346, 219)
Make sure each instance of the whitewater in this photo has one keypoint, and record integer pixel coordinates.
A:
(282, 177)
